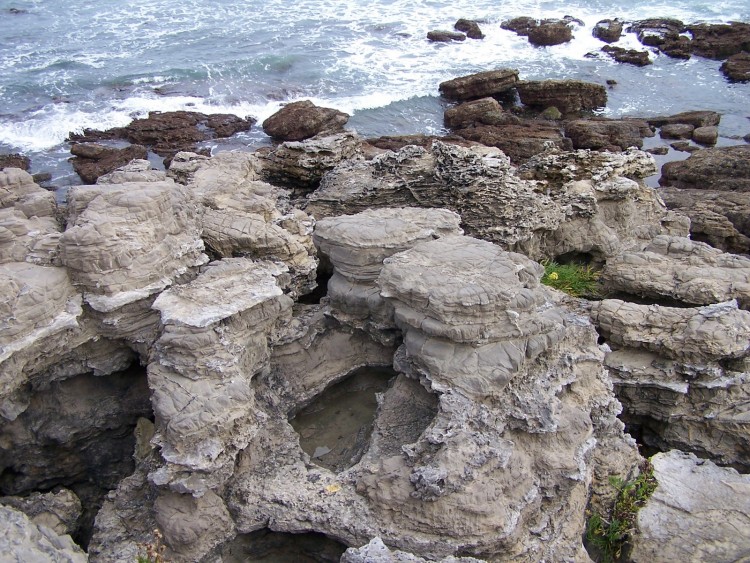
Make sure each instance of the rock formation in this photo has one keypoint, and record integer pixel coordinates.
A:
(23, 540)
(608, 31)
(568, 96)
(301, 120)
(479, 85)
(91, 160)
(722, 169)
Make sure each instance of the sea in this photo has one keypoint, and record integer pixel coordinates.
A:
(67, 66)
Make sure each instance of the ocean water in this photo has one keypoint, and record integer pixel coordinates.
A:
(68, 66)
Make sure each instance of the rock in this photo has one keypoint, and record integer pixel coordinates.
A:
(676, 131)
(377, 552)
(59, 510)
(547, 34)
(721, 219)
(679, 374)
(445, 36)
(607, 134)
(675, 268)
(379, 145)
(301, 120)
(568, 96)
(655, 31)
(24, 540)
(15, 161)
(302, 164)
(677, 46)
(485, 111)
(698, 502)
(519, 139)
(630, 56)
(737, 67)
(608, 31)
(135, 171)
(706, 135)
(470, 28)
(92, 160)
(660, 151)
(719, 169)
(684, 146)
(719, 41)
(695, 118)
(479, 85)
(521, 25)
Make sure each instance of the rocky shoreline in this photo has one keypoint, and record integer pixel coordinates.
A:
(165, 331)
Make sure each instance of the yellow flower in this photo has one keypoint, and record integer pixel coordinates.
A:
(332, 489)
(553, 276)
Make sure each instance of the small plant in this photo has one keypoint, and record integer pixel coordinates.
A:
(609, 535)
(578, 280)
(154, 550)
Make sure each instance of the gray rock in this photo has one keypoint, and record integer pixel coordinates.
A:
(377, 552)
(23, 540)
(676, 131)
(59, 511)
(706, 135)
(137, 170)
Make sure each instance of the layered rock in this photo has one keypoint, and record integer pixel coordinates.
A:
(59, 510)
(568, 96)
(479, 85)
(722, 169)
(630, 56)
(550, 33)
(23, 540)
(607, 134)
(137, 170)
(301, 120)
(698, 512)
(608, 31)
(719, 41)
(737, 67)
(91, 160)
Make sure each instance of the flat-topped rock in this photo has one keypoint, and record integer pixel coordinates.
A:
(479, 85)
(568, 96)
(721, 169)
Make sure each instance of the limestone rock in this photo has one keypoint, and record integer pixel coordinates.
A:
(606, 134)
(23, 540)
(737, 67)
(722, 168)
(680, 269)
(698, 512)
(59, 510)
(301, 120)
(19, 192)
(377, 552)
(568, 96)
(31, 239)
(137, 170)
(608, 31)
(479, 85)
(700, 118)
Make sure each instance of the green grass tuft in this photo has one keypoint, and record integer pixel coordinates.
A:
(578, 280)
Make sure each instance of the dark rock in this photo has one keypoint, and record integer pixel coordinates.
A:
(14, 161)
(630, 56)
(572, 19)
(42, 177)
(719, 41)
(301, 120)
(746, 138)
(91, 160)
(485, 111)
(548, 34)
(470, 28)
(677, 46)
(706, 135)
(719, 218)
(445, 36)
(611, 82)
(397, 142)
(551, 113)
(522, 25)
(701, 118)
(167, 133)
(655, 31)
(684, 146)
(608, 31)
(719, 169)
(519, 141)
(677, 131)
(737, 67)
(569, 96)
(607, 134)
(661, 151)
(479, 85)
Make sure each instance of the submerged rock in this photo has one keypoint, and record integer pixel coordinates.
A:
(550, 33)
(630, 56)
(445, 36)
(737, 67)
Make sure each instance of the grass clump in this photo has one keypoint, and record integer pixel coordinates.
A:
(608, 534)
(578, 280)
(154, 550)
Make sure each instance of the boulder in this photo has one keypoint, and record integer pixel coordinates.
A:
(550, 33)
(479, 85)
(445, 36)
(519, 139)
(485, 111)
(719, 41)
(521, 25)
(470, 28)
(706, 135)
(630, 56)
(703, 505)
(607, 134)
(655, 31)
(608, 31)
(14, 161)
(677, 47)
(91, 160)
(301, 120)
(676, 131)
(701, 118)
(137, 170)
(23, 540)
(737, 67)
(719, 169)
(568, 96)
(58, 510)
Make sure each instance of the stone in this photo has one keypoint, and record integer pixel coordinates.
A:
(91, 160)
(445, 36)
(703, 505)
(552, 33)
(137, 170)
(569, 96)
(58, 510)
(630, 56)
(655, 31)
(699, 118)
(479, 85)
(377, 552)
(301, 120)
(521, 25)
(15, 161)
(677, 46)
(737, 67)
(720, 169)
(519, 139)
(608, 30)
(485, 111)
(684, 146)
(470, 28)
(24, 540)
(606, 134)
(706, 135)
(719, 41)
(676, 268)
(676, 131)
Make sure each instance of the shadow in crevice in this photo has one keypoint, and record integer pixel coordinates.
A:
(277, 547)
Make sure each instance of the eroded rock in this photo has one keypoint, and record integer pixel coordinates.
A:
(23, 540)
(301, 120)
(608, 31)
(737, 67)
(479, 85)
(568, 96)
(720, 169)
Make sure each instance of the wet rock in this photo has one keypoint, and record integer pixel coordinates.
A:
(684, 146)
(445, 36)
(23, 540)
(91, 160)
(301, 120)
(655, 31)
(607, 134)
(630, 56)
(719, 41)
(608, 31)
(521, 25)
(470, 28)
(550, 33)
(58, 510)
(698, 502)
(14, 161)
(678, 269)
(676, 131)
(677, 47)
(485, 111)
(568, 96)
(737, 67)
(720, 169)
(706, 135)
(660, 151)
(702, 118)
(721, 219)
(519, 139)
(479, 85)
